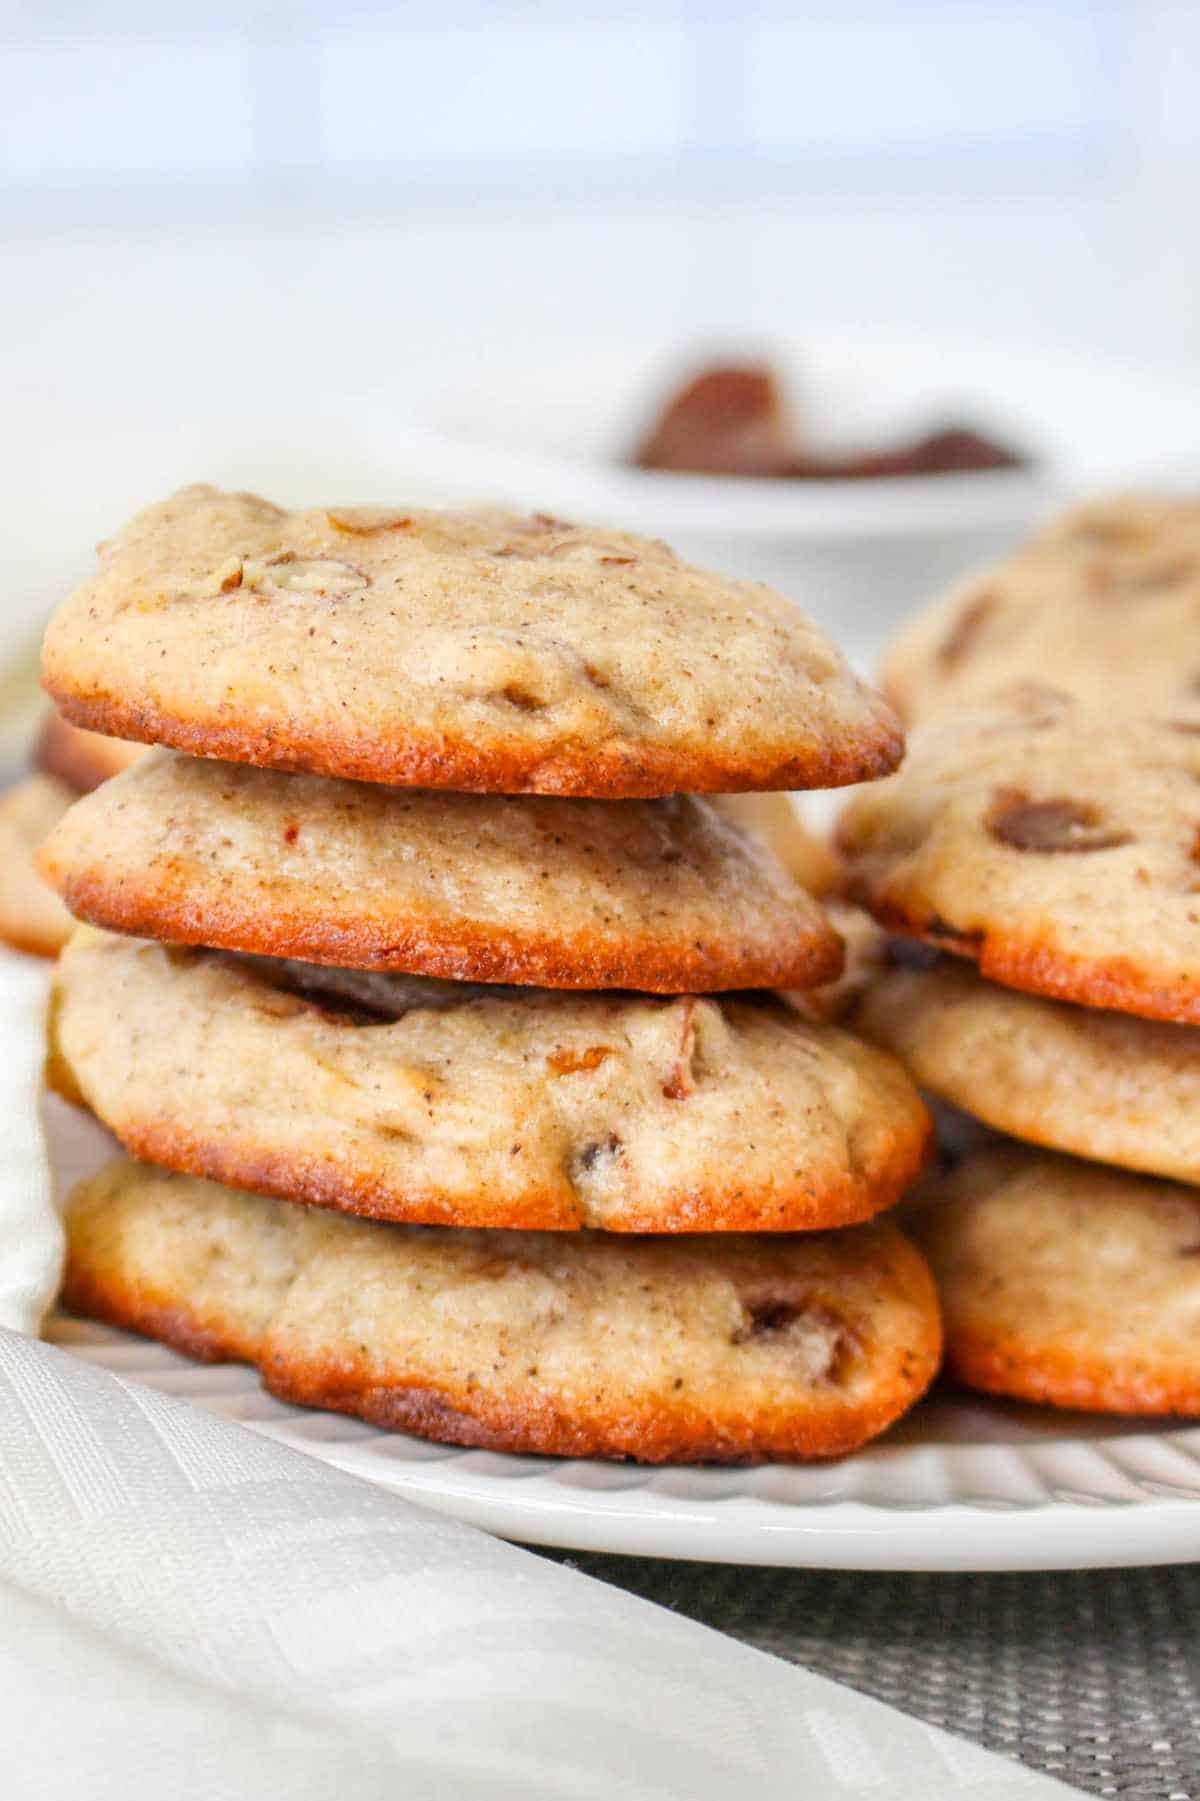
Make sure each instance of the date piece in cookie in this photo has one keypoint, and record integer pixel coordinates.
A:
(1055, 845)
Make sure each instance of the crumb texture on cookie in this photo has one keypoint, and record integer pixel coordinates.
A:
(32, 918)
(443, 1103)
(663, 895)
(1105, 1085)
(1065, 1282)
(471, 650)
(1053, 845)
(730, 1349)
(1103, 603)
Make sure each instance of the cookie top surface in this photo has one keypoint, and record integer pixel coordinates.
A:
(474, 650)
(80, 759)
(1105, 1085)
(1066, 1282)
(731, 1349)
(449, 1104)
(1056, 847)
(1103, 603)
(32, 918)
(661, 895)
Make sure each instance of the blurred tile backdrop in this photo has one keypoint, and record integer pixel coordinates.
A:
(215, 219)
(866, 157)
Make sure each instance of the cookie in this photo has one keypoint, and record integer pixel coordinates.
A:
(473, 650)
(1055, 846)
(453, 1105)
(808, 859)
(662, 895)
(67, 762)
(864, 950)
(727, 1350)
(1065, 1282)
(1103, 603)
(1105, 1085)
(81, 760)
(32, 918)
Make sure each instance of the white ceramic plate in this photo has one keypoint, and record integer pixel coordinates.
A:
(558, 420)
(548, 425)
(959, 1485)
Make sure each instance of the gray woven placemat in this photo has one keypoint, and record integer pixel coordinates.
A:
(1092, 1676)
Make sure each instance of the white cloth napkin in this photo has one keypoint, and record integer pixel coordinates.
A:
(31, 1243)
(188, 1610)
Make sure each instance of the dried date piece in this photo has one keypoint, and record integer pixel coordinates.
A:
(726, 421)
(953, 450)
(731, 420)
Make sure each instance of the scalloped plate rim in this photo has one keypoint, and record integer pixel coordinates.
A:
(587, 1507)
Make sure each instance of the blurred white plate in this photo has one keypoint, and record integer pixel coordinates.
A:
(959, 1485)
(548, 425)
(559, 420)
(544, 426)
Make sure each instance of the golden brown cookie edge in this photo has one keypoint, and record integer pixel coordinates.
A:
(504, 766)
(331, 1184)
(468, 1418)
(1034, 965)
(461, 950)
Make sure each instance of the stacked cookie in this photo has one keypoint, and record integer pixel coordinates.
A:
(1039, 852)
(1104, 603)
(436, 1007)
(67, 762)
